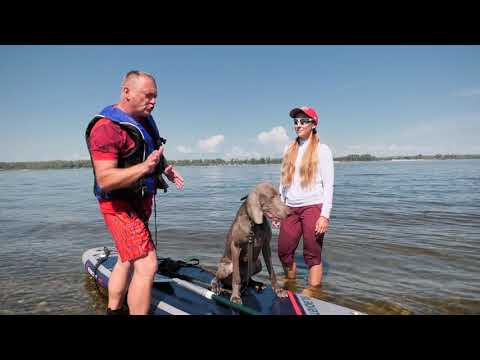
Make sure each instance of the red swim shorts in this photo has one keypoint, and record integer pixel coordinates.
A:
(130, 233)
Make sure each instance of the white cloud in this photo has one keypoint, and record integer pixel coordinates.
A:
(238, 153)
(210, 145)
(184, 149)
(277, 137)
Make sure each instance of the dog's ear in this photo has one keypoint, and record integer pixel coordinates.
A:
(253, 208)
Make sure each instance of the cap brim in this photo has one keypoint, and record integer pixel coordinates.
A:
(295, 111)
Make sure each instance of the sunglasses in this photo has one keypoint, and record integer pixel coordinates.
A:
(302, 121)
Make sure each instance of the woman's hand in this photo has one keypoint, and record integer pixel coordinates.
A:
(275, 224)
(321, 225)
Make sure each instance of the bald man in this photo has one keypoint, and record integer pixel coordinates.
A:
(126, 148)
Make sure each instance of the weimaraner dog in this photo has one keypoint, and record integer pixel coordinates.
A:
(250, 226)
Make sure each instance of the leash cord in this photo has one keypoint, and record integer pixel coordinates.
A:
(155, 216)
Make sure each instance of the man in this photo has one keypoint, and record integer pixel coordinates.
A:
(126, 152)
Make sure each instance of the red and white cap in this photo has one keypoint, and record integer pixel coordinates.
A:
(309, 111)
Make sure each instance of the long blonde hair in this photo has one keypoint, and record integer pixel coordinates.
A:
(308, 166)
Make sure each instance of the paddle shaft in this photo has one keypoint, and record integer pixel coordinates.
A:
(212, 296)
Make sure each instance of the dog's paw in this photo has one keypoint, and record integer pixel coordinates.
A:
(236, 300)
(257, 285)
(215, 287)
(282, 293)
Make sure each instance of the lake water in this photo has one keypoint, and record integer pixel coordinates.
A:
(404, 237)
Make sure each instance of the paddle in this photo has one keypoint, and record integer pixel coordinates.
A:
(207, 294)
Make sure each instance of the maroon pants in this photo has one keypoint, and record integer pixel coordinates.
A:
(301, 221)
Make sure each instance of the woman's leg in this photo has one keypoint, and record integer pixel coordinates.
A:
(312, 244)
(315, 275)
(288, 239)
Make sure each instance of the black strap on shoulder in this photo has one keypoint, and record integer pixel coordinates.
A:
(251, 237)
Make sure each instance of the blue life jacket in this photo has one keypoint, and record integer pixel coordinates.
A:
(145, 144)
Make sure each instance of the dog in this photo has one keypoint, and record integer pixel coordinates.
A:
(250, 226)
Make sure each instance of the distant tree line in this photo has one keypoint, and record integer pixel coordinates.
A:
(67, 164)
(368, 157)
(75, 164)
(39, 165)
(203, 162)
(356, 157)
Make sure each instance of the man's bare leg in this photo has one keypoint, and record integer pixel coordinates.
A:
(118, 284)
(140, 290)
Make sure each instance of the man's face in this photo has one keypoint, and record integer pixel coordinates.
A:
(142, 96)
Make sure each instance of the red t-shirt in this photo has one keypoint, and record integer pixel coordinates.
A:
(108, 141)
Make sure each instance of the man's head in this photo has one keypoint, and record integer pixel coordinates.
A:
(139, 94)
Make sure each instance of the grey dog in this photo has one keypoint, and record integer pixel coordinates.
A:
(250, 226)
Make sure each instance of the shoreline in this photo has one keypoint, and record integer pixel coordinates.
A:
(79, 164)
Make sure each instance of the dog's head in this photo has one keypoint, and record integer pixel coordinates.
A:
(264, 199)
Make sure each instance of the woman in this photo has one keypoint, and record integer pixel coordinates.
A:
(306, 186)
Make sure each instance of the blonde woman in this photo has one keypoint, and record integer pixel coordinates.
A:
(306, 187)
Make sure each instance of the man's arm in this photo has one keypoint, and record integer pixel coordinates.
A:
(110, 177)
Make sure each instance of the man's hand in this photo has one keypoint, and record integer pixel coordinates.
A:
(275, 224)
(321, 225)
(152, 160)
(174, 176)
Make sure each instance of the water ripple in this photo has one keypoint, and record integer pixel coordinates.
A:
(403, 236)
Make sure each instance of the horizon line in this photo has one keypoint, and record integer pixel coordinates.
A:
(264, 157)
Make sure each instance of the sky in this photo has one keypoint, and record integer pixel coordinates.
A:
(233, 101)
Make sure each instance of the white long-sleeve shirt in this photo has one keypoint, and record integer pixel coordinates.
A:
(322, 190)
